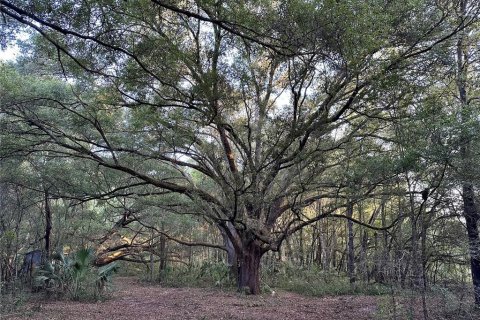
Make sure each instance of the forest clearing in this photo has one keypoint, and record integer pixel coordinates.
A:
(253, 159)
(134, 300)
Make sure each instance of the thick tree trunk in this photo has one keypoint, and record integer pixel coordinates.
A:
(249, 269)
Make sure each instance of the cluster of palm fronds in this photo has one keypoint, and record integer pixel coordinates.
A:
(75, 275)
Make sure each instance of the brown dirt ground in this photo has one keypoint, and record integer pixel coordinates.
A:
(135, 300)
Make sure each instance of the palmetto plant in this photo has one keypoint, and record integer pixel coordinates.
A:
(75, 275)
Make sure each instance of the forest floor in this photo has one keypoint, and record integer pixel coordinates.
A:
(132, 299)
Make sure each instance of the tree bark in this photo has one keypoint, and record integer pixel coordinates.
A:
(362, 266)
(48, 225)
(416, 264)
(162, 265)
(350, 246)
(471, 219)
(249, 268)
(231, 254)
(151, 267)
(301, 249)
(333, 248)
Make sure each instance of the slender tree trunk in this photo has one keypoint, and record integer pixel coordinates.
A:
(362, 265)
(313, 247)
(333, 248)
(423, 247)
(320, 250)
(385, 255)
(151, 266)
(162, 265)
(374, 274)
(301, 249)
(416, 264)
(48, 225)
(400, 260)
(350, 246)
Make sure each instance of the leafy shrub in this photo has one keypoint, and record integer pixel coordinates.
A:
(75, 276)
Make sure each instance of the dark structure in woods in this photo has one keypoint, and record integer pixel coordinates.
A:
(32, 260)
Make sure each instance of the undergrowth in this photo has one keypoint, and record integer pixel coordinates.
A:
(203, 275)
(307, 281)
(13, 296)
(442, 303)
(313, 281)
